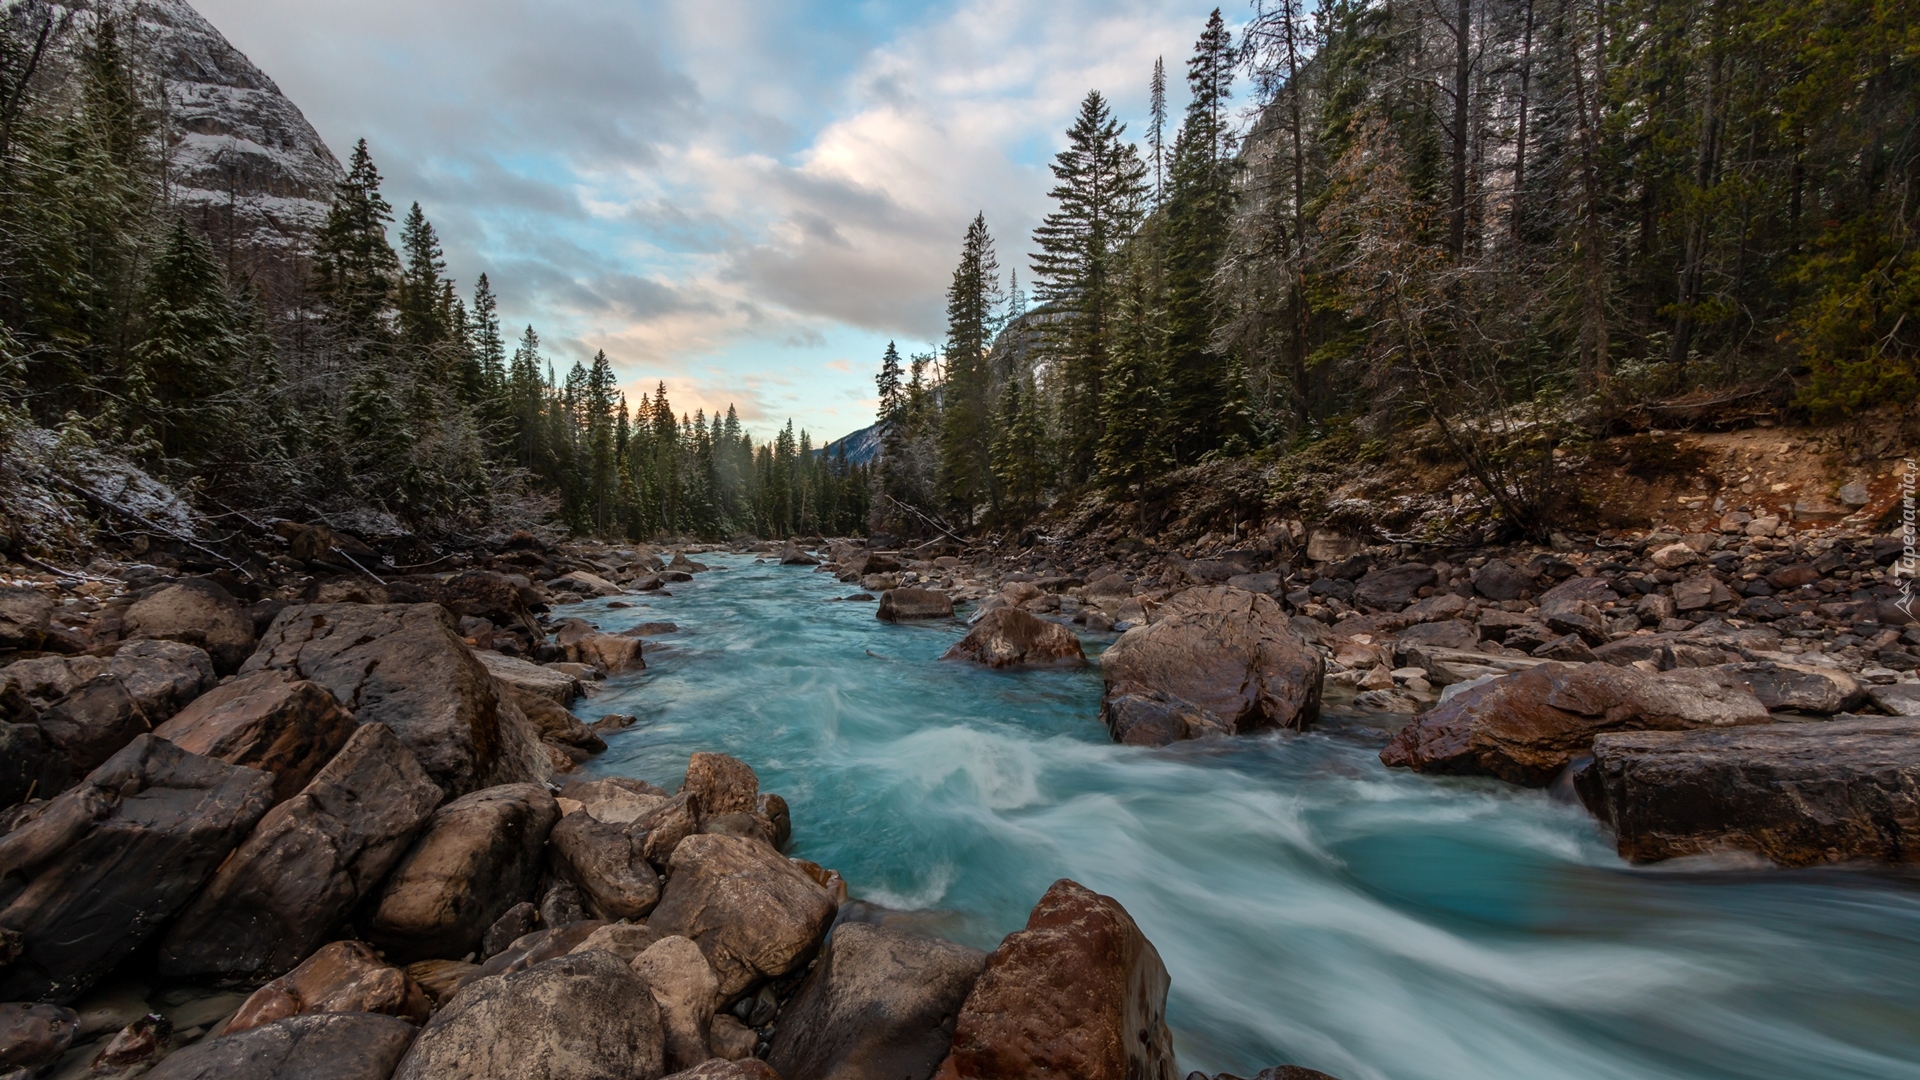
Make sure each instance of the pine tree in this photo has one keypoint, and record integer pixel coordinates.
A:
(354, 267)
(192, 350)
(973, 309)
(422, 289)
(1157, 111)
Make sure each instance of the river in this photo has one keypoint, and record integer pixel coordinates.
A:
(1312, 907)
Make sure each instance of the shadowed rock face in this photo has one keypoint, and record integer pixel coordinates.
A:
(1214, 661)
(1526, 727)
(266, 721)
(1008, 637)
(343, 977)
(1080, 992)
(1798, 794)
(321, 1046)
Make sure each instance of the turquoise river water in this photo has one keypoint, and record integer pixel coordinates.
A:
(1312, 906)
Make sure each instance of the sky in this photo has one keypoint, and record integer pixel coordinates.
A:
(746, 199)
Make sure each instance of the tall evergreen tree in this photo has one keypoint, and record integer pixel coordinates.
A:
(973, 313)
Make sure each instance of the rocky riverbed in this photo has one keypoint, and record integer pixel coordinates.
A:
(332, 809)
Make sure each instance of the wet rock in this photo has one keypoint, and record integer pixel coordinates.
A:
(1393, 588)
(321, 1046)
(554, 722)
(479, 856)
(1526, 727)
(721, 785)
(1801, 688)
(683, 986)
(791, 555)
(754, 914)
(403, 665)
(615, 654)
(1218, 660)
(197, 612)
(135, 1048)
(904, 605)
(580, 581)
(343, 977)
(579, 1017)
(880, 1005)
(1799, 794)
(1080, 992)
(32, 1036)
(1008, 637)
(104, 865)
(268, 721)
(608, 863)
(305, 867)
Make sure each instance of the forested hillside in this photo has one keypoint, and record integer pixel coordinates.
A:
(1512, 220)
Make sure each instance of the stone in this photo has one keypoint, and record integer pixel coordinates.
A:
(1799, 794)
(791, 555)
(904, 605)
(1221, 660)
(1796, 687)
(1577, 617)
(720, 784)
(25, 617)
(1656, 649)
(1278, 1072)
(95, 871)
(614, 654)
(321, 1046)
(479, 855)
(754, 914)
(622, 939)
(403, 665)
(1855, 495)
(1702, 590)
(342, 977)
(1675, 556)
(1268, 583)
(580, 581)
(1450, 634)
(526, 677)
(745, 1067)
(1501, 580)
(1569, 648)
(1793, 576)
(1079, 993)
(1393, 588)
(538, 947)
(554, 722)
(92, 723)
(1009, 637)
(517, 922)
(1331, 545)
(616, 800)
(683, 986)
(269, 721)
(306, 866)
(1526, 727)
(608, 863)
(198, 612)
(483, 594)
(732, 1040)
(1899, 699)
(441, 979)
(586, 1016)
(30, 765)
(32, 1036)
(880, 1005)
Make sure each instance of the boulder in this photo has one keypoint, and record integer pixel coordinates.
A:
(162, 676)
(904, 605)
(537, 948)
(608, 863)
(581, 1017)
(516, 922)
(1393, 588)
(622, 939)
(1008, 637)
(1526, 727)
(1501, 580)
(580, 581)
(403, 665)
(880, 1005)
(342, 977)
(554, 722)
(1080, 992)
(1449, 634)
(30, 766)
(25, 617)
(479, 856)
(144, 684)
(306, 866)
(1703, 590)
(268, 721)
(32, 1036)
(483, 594)
(732, 1040)
(1899, 699)
(720, 784)
(94, 872)
(1796, 687)
(683, 986)
(614, 654)
(197, 612)
(1799, 794)
(1214, 661)
(321, 1046)
(525, 677)
(719, 1068)
(791, 555)
(754, 914)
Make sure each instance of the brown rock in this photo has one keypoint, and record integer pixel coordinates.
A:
(537, 948)
(268, 721)
(683, 986)
(1799, 794)
(1703, 590)
(345, 976)
(721, 785)
(479, 856)
(197, 612)
(1807, 688)
(754, 914)
(1392, 589)
(720, 1068)
(904, 605)
(1526, 727)
(403, 665)
(1007, 637)
(1080, 992)
(305, 867)
(25, 617)
(104, 865)
(483, 594)
(1221, 660)
(322, 1046)
(554, 722)
(34, 1035)
(608, 862)
(612, 653)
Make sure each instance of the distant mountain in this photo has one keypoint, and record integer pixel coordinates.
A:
(863, 446)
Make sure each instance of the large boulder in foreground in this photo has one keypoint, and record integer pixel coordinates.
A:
(268, 721)
(1799, 794)
(906, 605)
(145, 684)
(343, 977)
(306, 865)
(754, 914)
(93, 873)
(1008, 637)
(1526, 727)
(403, 665)
(880, 1005)
(1080, 992)
(198, 612)
(1214, 661)
(586, 1016)
(322, 1046)
(607, 860)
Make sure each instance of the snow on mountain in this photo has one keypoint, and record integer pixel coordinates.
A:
(862, 446)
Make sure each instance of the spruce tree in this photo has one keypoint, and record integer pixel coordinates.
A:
(191, 355)
(354, 267)
(422, 294)
(973, 310)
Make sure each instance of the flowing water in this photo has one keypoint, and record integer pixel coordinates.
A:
(1312, 906)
